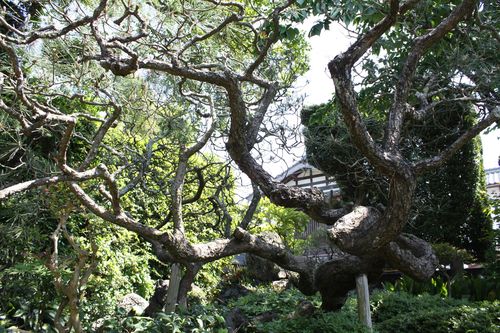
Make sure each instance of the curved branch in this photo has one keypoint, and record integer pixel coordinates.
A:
(421, 45)
(431, 163)
(247, 218)
(232, 18)
(412, 256)
(340, 69)
(99, 136)
(271, 40)
(50, 32)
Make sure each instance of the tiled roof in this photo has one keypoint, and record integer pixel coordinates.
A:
(297, 166)
(492, 175)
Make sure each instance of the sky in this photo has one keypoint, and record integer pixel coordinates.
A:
(491, 149)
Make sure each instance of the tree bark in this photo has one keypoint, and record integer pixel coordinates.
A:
(187, 283)
(157, 301)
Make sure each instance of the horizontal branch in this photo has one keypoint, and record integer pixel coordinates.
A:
(28, 185)
(50, 32)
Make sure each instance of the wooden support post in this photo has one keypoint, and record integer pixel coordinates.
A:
(173, 288)
(363, 300)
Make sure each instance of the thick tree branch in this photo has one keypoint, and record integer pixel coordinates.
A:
(412, 256)
(340, 69)
(438, 160)
(421, 45)
(51, 180)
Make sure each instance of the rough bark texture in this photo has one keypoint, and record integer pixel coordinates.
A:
(187, 283)
(157, 301)
(352, 232)
(366, 237)
(412, 256)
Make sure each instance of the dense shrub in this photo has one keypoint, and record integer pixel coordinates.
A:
(392, 312)
(265, 299)
(283, 305)
(473, 288)
(197, 320)
(402, 312)
(342, 322)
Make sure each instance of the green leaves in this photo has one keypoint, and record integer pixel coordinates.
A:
(197, 320)
(288, 32)
(285, 222)
(316, 29)
(401, 312)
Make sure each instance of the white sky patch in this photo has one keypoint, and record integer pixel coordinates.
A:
(491, 149)
(317, 84)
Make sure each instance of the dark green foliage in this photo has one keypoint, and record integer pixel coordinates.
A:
(266, 299)
(476, 288)
(392, 312)
(329, 148)
(197, 320)
(401, 312)
(26, 287)
(27, 294)
(450, 204)
(282, 305)
(473, 288)
(344, 322)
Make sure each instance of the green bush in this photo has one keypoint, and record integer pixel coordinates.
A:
(265, 299)
(402, 312)
(283, 304)
(342, 322)
(392, 312)
(473, 288)
(199, 319)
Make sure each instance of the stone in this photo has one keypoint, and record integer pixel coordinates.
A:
(157, 301)
(261, 269)
(197, 292)
(305, 309)
(133, 303)
(235, 320)
(281, 285)
(232, 291)
(266, 317)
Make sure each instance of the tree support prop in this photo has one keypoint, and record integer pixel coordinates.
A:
(363, 300)
(173, 288)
